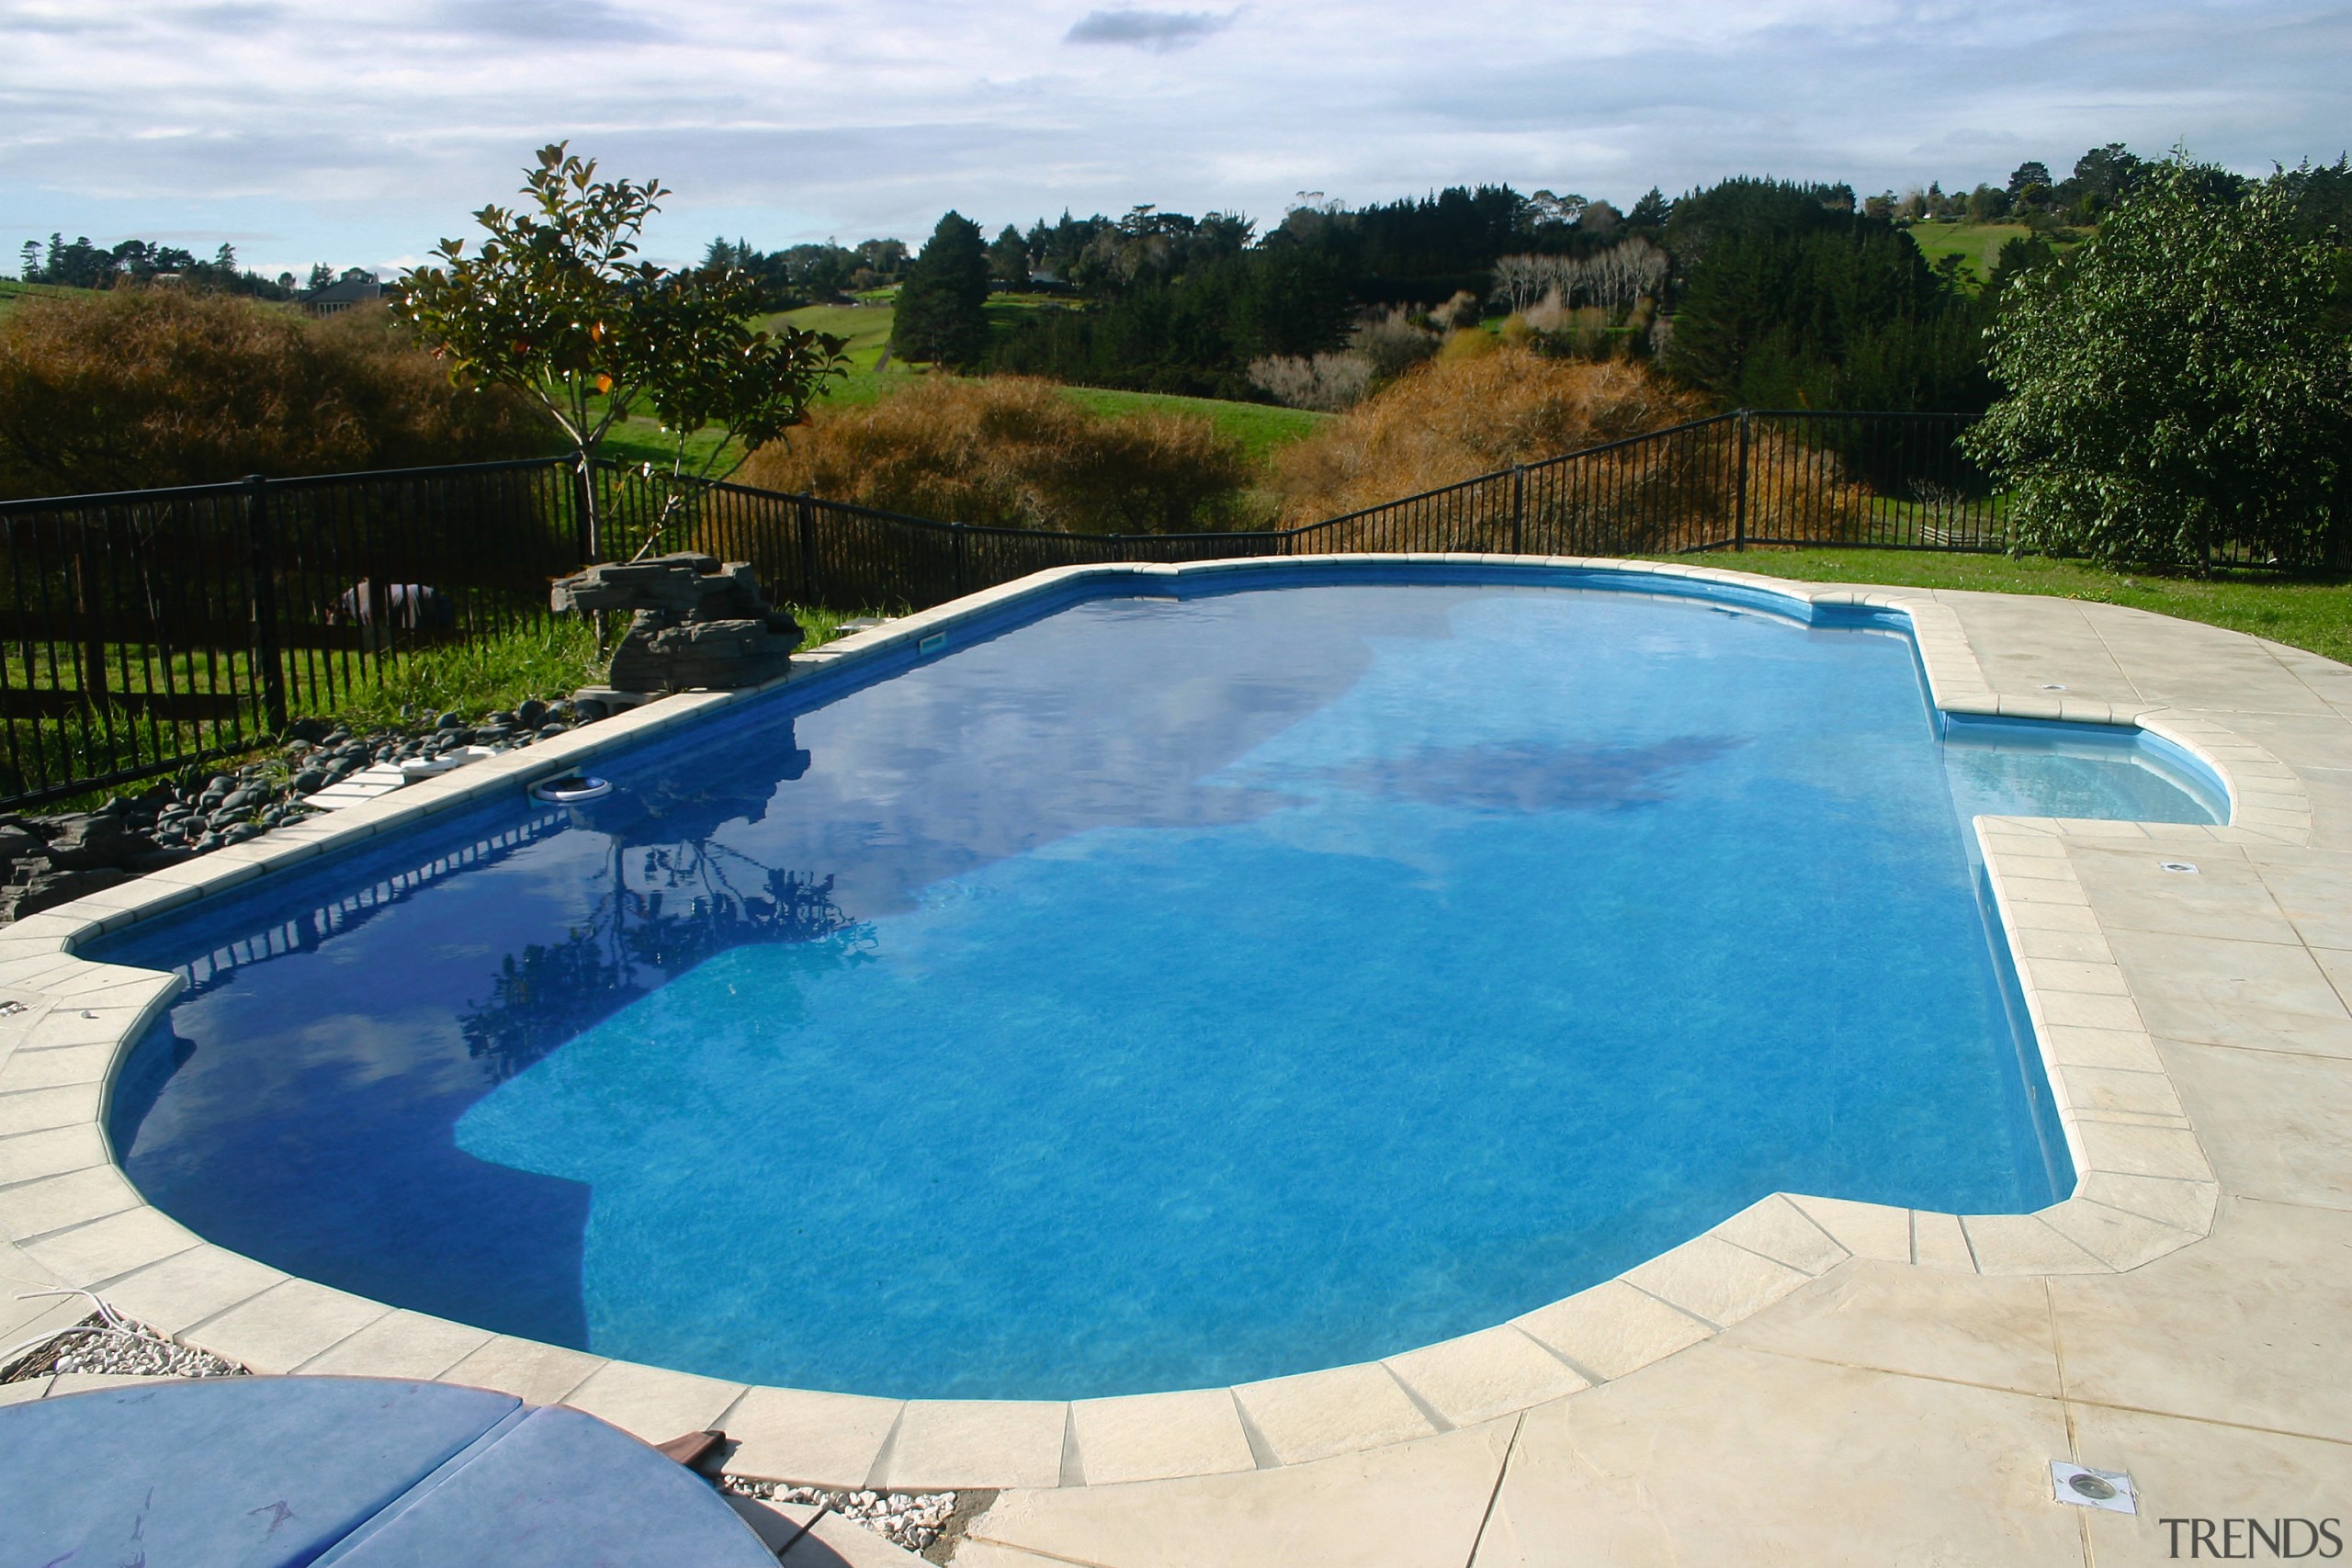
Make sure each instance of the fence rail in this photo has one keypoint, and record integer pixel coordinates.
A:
(145, 632)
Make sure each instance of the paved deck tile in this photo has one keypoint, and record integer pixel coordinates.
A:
(1411, 1506)
(2246, 1327)
(1727, 1455)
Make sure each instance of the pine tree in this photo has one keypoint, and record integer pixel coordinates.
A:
(1009, 257)
(942, 311)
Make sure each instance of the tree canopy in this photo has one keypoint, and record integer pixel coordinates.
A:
(2181, 382)
(553, 304)
(943, 305)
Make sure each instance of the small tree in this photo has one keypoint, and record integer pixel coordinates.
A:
(552, 305)
(941, 312)
(2175, 385)
(701, 364)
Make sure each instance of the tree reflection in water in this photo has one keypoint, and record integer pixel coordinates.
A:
(674, 895)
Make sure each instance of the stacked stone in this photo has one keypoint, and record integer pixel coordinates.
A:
(694, 624)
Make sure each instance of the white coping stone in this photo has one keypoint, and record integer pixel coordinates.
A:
(531, 1371)
(286, 1325)
(176, 1294)
(1713, 1280)
(653, 1403)
(58, 1202)
(1776, 1228)
(1153, 1437)
(806, 1438)
(1313, 1415)
(2024, 1243)
(1480, 1376)
(1937, 1242)
(2146, 1187)
(1865, 1230)
(944, 1445)
(54, 1151)
(1611, 1329)
(400, 1344)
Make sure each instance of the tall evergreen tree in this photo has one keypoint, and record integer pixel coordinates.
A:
(942, 315)
(1009, 257)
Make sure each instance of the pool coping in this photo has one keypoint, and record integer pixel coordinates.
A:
(2145, 1187)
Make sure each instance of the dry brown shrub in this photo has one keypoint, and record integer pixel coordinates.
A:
(1013, 452)
(1460, 416)
(1325, 383)
(136, 388)
(1800, 492)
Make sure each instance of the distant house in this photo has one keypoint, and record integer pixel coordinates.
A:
(340, 295)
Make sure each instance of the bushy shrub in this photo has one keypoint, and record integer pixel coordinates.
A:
(1466, 413)
(1392, 341)
(143, 387)
(1015, 452)
(1463, 309)
(2180, 384)
(1324, 382)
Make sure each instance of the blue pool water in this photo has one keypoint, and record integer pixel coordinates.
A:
(1164, 992)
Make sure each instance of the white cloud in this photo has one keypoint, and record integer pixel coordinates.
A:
(366, 133)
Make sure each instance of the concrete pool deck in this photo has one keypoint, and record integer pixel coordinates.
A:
(1811, 1381)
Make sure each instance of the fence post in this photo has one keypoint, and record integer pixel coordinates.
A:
(1739, 491)
(963, 561)
(269, 668)
(804, 509)
(583, 512)
(89, 603)
(1519, 509)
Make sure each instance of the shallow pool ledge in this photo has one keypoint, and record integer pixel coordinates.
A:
(2145, 1186)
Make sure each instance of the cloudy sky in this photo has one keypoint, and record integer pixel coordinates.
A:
(359, 134)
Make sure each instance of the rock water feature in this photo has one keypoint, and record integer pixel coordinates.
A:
(694, 622)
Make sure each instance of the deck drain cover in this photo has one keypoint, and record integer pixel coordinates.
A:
(571, 789)
(2182, 866)
(2088, 1488)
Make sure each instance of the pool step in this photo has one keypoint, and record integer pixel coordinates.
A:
(358, 789)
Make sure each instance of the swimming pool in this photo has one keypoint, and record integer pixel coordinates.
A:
(1175, 989)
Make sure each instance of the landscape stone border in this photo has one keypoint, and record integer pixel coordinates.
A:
(2145, 1187)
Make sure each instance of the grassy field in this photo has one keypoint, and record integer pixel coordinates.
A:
(1261, 428)
(1978, 245)
(11, 291)
(2308, 613)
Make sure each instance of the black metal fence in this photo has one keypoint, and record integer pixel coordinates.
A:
(1881, 480)
(145, 632)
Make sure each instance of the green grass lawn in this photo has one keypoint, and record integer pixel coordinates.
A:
(2302, 612)
(1261, 428)
(867, 327)
(1978, 245)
